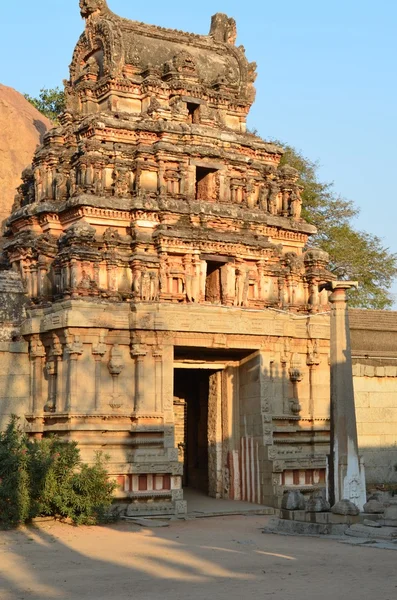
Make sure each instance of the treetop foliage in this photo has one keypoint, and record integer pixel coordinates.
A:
(51, 102)
(354, 255)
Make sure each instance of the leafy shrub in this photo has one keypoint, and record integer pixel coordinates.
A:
(47, 478)
(14, 476)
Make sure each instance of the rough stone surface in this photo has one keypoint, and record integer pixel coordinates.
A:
(370, 523)
(374, 334)
(305, 528)
(383, 498)
(374, 507)
(21, 130)
(345, 507)
(151, 523)
(293, 501)
(390, 515)
(361, 530)
(317, 504)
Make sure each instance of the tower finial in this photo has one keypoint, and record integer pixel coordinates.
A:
(92, 7)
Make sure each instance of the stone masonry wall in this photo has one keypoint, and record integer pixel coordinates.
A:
(376, 412)
(374, 354)
(14, 380)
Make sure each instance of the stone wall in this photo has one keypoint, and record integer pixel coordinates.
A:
(374, 353)
(14, 380)
(376, 410)
(14, 360)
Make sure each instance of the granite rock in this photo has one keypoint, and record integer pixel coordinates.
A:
(374, 507)
(317, 504)
(345, 507)
(293, 501)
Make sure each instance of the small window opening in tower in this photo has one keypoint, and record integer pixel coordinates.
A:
(205, 184)
(213, 283)
(194, 112)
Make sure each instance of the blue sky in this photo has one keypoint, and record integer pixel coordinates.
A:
(326, 78)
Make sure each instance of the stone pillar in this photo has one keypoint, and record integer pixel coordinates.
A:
(346, 477)
(37, 355)
(157, 354)
(115, 367)
(74, 349)
(139, 352)
(99, 351)
(215, 436)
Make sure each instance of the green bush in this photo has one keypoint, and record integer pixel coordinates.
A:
(14, 476)
(47, 478)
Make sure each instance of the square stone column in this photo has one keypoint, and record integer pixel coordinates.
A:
(346, 470)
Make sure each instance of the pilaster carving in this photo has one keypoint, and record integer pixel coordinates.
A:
(74, 349)
(139, 352)
(53, 370)
(37, 354)
(99, 350)
(115, 367)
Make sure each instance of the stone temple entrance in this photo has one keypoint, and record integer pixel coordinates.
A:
(193, 393)
(217, 401)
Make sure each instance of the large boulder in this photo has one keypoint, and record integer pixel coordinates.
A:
(374, 507)
(382, 497)
(293, 501)
(22, 128)
(345, 507)
(317, 504)
(390, 516)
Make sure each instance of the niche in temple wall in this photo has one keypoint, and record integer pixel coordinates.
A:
(148, 180)
(207, 184)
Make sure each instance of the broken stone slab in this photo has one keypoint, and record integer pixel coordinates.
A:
(293, 501)
(374, 507)
(317, 505)
(361, 530)
(152, 523)
(369, 523)
(276, 525)
(345, 507)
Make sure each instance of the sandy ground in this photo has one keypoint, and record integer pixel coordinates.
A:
(221, 558)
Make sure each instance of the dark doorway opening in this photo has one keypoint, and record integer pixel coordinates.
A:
(191, 396)
(205, 184)
(213, 283)
(194, 112)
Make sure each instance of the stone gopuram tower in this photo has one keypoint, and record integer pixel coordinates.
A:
(174, 318)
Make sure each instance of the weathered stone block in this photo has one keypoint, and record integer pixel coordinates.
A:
(390, 516)
(299, 515)
(374, 507)
(345, 507)
(317, 505)
(293, 501)
(370, 523)
(343, 519)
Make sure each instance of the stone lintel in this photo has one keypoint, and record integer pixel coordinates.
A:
(193, 318)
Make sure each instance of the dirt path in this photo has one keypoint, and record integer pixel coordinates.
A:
(224, 558)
